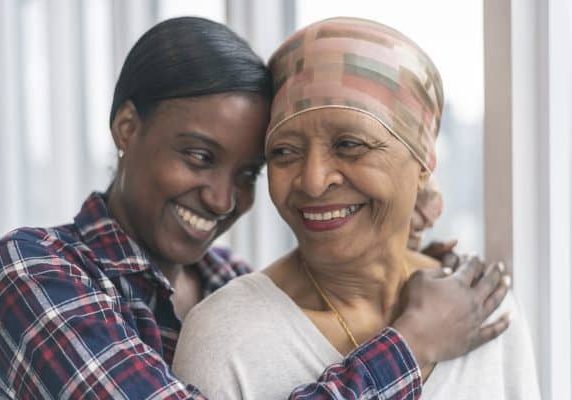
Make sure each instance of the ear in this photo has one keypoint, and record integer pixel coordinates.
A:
(424, 176)
(125, 126)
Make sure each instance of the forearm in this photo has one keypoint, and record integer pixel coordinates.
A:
(59, 337)
(382, 368)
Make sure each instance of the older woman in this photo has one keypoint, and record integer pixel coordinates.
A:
(350, 144)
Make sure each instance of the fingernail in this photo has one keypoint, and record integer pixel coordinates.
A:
(501, 266)
(506, 279)
(447, 271)
(508, 316)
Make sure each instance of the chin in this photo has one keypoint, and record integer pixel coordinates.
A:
(189, 257)
(177, 252)
(328, 251)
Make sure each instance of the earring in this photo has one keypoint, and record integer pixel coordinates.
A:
(120, 153)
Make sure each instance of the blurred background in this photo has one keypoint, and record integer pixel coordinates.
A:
(63, 58)
(59, 60)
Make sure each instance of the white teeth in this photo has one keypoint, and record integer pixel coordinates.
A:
(341, 213)
(194, 220)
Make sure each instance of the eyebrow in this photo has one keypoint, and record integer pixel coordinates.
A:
(256, 162)
(201, 137)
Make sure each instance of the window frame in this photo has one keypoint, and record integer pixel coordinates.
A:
(528, 172)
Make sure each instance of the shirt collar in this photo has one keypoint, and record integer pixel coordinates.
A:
(117, 253)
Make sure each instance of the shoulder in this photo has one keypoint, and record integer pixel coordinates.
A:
(236, 301)
(246, 305)
(504, 365)
(220, 330)
(517, 331)
(40, 251)
(419, 261)
(516, 343)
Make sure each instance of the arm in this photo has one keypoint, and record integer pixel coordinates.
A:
(443, 319)
(61, 337)
(383, 368)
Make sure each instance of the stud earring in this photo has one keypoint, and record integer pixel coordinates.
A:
(120, 153)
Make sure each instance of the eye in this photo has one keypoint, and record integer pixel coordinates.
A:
(283, 154)
(198, 157)
(350, 147)
(280, 152)
(348, 144)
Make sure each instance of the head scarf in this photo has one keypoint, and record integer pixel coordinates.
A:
(365, 66)
(429, 203)
(428, 208)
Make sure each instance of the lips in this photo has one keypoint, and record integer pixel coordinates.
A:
(194, 225)
(328, 217)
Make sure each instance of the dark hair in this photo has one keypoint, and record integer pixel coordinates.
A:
(187, 57)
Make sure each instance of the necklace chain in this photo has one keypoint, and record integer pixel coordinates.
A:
(326, 299)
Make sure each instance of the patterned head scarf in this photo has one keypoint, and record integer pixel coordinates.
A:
(365, 66)
(429, 203)
(428, 208)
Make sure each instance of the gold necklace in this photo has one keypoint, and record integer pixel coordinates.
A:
(326, 299)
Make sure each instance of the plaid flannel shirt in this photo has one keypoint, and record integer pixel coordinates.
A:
(85, 314)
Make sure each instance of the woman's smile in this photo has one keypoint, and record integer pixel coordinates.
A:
(328, 217)
(193, 224)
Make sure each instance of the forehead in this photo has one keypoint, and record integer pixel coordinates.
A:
(234, 122)
(216, 107)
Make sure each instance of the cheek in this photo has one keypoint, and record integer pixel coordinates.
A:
(279, 183)
(372, 181)
(152, 171)
(390, 185)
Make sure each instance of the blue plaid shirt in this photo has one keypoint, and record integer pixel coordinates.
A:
(85, 314)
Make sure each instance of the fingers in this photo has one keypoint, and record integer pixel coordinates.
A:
(469, 270)
(490, 280)
(451, 260)
(497, 297)
(491, 331)
(448, 247)
(437, 273)
(438, 250)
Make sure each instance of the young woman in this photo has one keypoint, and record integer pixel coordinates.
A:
(92, 309)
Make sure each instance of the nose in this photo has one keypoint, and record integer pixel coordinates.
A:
(319, 172)
(219, 196)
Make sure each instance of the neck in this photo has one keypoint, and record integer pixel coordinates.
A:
(370, 281)
(117, 211)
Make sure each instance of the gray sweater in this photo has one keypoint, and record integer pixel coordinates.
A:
(255, 343)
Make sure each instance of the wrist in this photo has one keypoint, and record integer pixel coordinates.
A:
(408, 328)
